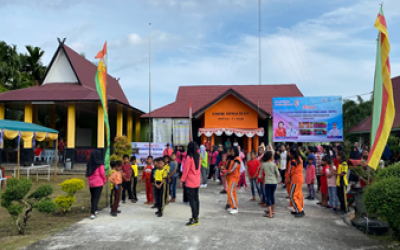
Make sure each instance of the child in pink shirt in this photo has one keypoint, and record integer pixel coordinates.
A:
(222, 171)
(331, 174)
(310, 179)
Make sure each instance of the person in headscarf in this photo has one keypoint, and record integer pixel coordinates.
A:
(96, 178)
(232, 178)
(191, 179)
(355, 154)
(204, 166)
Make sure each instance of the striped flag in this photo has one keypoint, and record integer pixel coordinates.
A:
(383, 107)
(101, 86)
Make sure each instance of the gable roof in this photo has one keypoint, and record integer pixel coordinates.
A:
(204, 96)
(82, 90)
(365, 125)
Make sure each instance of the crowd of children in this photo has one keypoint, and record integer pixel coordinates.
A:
(324, 166)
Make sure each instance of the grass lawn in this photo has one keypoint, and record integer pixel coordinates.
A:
(40, 226)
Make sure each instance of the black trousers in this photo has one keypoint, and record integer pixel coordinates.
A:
(211, 171)
(185, 198)
(166, 191)
(126, 186)
(134, 184)
(318, 182)
(160, 197)
(95, 194)
(283, 175)
(342, 197)
(193, 196)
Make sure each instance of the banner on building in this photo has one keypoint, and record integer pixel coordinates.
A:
(162, 130)
(181, 131)
(308, 119)
(141, 151)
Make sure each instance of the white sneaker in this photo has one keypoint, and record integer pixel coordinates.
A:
(229, 210)
(217, 180)
(234, 211)
(205, 185)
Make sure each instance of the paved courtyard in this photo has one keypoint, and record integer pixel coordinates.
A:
(138, 228)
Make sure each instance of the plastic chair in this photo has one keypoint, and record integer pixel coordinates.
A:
(2, 179)
(38, 157)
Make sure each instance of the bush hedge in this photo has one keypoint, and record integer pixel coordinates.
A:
(390, 171)
(383, 199)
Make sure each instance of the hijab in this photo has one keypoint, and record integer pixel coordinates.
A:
(235, 151)
(215, 148)
(355, 153)
(95, 161)
(192, 152)
(203, 151)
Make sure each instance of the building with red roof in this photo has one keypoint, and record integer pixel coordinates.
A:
(237, 112)
(66, 99)
(364, 127)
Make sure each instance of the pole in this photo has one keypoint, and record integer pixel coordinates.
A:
(107, 132)
(18, 162)
(259, 42)
(150, 125)
(56, 160)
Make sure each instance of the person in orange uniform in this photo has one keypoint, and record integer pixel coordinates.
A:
(296, 183)
(232, 178)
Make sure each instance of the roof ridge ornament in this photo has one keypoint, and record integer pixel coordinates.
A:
(61, 42)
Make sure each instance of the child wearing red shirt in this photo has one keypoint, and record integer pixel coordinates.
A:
(147, 177)
(252, 172)
(222, 170)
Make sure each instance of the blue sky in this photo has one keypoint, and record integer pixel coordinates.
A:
(325, 47)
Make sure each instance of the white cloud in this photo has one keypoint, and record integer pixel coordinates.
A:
(135, 39)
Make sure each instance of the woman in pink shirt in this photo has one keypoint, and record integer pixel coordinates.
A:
(212, 160)
(96, 178)
(191, 178)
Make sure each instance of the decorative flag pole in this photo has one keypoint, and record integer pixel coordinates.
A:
(190, 121)
(101, 86)
(383, 104)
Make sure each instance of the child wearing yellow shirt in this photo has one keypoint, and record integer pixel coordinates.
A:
(134, 178)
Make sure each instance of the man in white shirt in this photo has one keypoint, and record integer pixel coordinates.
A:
(334, 131)
(291, 132)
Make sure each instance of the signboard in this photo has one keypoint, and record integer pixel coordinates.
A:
(181, 131)
(231, 112)
(141, 151)
(162, 129)
(307, 119)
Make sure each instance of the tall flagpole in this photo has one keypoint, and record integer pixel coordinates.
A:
(259, 42)
(150, 124)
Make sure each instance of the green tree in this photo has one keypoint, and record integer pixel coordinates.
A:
(355, 111)
(34, 66)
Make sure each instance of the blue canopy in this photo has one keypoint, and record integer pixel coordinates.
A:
(24, 126)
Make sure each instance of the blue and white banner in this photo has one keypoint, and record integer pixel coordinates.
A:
(308, 119)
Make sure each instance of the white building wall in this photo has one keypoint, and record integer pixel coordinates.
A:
(61, 71)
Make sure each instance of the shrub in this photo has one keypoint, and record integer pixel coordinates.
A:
(382, 198)
(65, 202)
(71, 186)
(19, 207)
(122, 146)
(390, 171)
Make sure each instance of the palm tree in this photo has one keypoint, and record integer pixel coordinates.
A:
(34, 65)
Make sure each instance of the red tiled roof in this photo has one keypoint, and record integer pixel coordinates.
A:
(365, 125)
(201, 96)
(84, 90)
(86, 71)
(53, 92)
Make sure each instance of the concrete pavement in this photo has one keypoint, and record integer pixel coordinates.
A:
(138, 228)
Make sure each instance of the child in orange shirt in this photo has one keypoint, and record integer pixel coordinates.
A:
(147, 177)
(116, 180)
